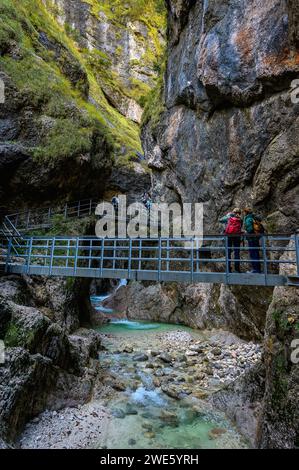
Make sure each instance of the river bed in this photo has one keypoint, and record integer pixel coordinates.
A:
(145, 415)
(153, 390)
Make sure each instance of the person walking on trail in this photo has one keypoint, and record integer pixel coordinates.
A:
(147, 201)
(145, 196)
(149, 204)
(255, 230)
(233, 231)
(115, 202)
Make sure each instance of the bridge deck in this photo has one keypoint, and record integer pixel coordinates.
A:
(205, 260)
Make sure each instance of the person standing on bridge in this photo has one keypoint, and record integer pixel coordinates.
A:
(255, 230)
(233, 231)
(115, 203)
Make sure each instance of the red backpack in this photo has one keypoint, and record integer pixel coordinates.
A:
(234, 226)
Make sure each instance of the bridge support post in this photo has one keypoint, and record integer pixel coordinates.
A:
(297, 251)
(8, 254)
(167, 254)
(47, 251)
(130, 258)
(114, 254)
(76, 256)
(68, 253)
(52, 255)
(227, 260)
(192, 260)
(197, 256)
(29, 255)
(102, 257)
(90, 254)
(159, 259)
(265, 259)
(139, 254)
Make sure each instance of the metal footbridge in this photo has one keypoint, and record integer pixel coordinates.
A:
(192, 260)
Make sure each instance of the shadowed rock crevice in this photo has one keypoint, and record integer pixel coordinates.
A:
(50, 361)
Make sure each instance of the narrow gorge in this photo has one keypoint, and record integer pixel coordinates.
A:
(191, 102)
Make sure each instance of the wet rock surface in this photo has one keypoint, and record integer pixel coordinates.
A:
(219, 361)
(153, 402)
(50, 362)
(279, 423)
(237, 309)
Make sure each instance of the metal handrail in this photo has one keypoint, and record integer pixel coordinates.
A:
(143, 258)
(37, 218)
(26, 220)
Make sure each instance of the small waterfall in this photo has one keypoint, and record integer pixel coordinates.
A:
(122, 283)
(146, 397)
(134, 325)
(96, 299)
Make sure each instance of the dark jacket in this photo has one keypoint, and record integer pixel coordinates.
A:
(249, 222)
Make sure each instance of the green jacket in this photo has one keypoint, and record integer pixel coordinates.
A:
(249, 221)
(226, 218)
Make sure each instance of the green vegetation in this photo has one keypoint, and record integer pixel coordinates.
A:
(148, 14)
(16, 336)
(69, 284)
(284, 322)
(54, 75)
(155, 104)
(120, 12)
(72, 226)
(280, 383)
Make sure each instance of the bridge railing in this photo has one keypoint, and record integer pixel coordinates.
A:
(161, 259)
(43, 218)
(36, 219)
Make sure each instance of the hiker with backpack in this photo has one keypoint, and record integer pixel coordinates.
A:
(115, 203)
(255, 230)
(233, 231)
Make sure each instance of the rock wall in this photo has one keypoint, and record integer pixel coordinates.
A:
(50, 362)
(126, 38)
(202, 306)
(227, 136)
(75, 80)
(279, 421)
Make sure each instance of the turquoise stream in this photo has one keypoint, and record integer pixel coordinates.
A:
(143, 415)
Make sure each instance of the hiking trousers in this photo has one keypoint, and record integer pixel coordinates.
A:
(254, 252)
(234, 243)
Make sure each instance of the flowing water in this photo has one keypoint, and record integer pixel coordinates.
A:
(96, 302)
(143, 416)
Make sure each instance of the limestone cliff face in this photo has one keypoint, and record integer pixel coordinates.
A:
(279, 421)
(202, 306)
(128, 38)
(50, 361)
(228, 135)
(76, 76)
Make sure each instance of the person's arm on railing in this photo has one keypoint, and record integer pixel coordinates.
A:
(224, 219)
